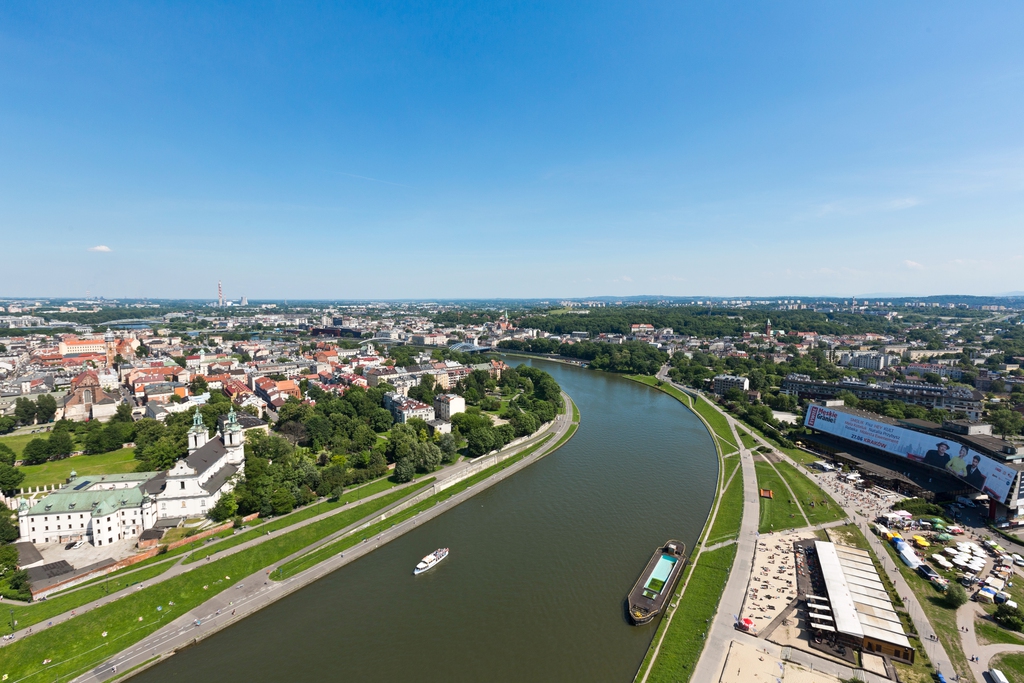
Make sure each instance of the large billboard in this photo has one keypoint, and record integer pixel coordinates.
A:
(977, 470)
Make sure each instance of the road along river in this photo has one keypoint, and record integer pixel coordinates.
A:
(533, 589)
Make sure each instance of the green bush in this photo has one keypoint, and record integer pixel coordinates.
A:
(1009, 617)
(956, 596)
(919, 507)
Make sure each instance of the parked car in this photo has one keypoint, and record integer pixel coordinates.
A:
(78, 545)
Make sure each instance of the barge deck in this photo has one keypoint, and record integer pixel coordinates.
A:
(657, 583)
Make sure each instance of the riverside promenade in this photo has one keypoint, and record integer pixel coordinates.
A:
(257, 590)
(722, 630)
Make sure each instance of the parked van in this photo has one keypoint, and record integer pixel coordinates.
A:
(997, 676)
(1018, 560)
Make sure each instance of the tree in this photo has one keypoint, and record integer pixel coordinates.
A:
(1009, 617)
(199, 386)
(158, 457)
(428, 456)
(405, 470)
(46, 408)
(1006, 421)
(7, 424)
(449, 446)
(956, 596)
(25, 411)
(7, 455)
(37, 451)
(61, 444)
(10, 479)
(481, 440)
(282, 501)
(123, 414)
(225, 508)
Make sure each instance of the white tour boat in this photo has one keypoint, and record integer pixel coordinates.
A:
(431, 560)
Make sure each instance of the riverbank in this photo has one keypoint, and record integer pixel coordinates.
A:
(258, 590)
(678, 643)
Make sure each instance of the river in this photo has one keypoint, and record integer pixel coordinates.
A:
(539, 568)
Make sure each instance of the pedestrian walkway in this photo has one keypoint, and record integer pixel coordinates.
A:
(965, 617)
(179, 565)
(257, 590)
(723, 630)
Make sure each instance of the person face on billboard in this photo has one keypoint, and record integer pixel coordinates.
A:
(974, 476)
(958, 464)
(938, 456)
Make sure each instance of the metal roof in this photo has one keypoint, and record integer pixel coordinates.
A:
(859, 602)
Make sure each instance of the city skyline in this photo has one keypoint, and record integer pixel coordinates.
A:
(419, 152)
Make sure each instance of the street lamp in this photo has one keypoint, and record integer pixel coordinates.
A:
(12, 619)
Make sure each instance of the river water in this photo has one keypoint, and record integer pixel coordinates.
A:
(539, 568)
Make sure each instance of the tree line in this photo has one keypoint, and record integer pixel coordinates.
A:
(632, 357)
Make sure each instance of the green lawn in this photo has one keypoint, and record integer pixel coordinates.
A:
(989, 632)
(77, 645)
(1012, 666)
(718, 423)
(58, 471)
(824, 510)
(780, 512)
(18, 442)
(941, 617)
(305, 513)
(747, 439)
(27, 615)
(730, 512)
(684, 641)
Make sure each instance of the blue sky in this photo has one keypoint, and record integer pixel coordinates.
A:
(387, 150)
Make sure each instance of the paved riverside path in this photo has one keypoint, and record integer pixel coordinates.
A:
(257, 591)
(179, 562)
(936, 651)
(965, 620)
(722, 629)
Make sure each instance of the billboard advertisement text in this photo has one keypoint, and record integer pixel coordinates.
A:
(977, 470)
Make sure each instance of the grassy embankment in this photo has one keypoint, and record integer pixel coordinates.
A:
(730, 509)
(278, 523)
(988, 632)
(1012, 666)
(680, 639)
(58, 471)
(825, 509)
(748, 441)
(683, 640)
(325, 552)
(17, 442)
(941, 617)
(78, 644)
(780, 512)
(33, 613)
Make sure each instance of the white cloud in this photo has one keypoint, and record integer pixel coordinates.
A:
(101, 247)
(913, 265)
(627, 278)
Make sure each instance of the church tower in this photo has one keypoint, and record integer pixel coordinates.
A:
(768, 328)
(233, 435)
(197, 434)
(110, 346)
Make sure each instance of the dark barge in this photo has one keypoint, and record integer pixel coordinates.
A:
(657, 583)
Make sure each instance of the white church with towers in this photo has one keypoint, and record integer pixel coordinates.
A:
(106, 509)
(197, 481)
